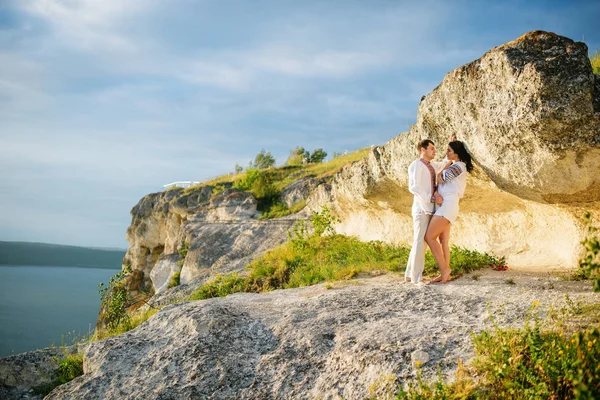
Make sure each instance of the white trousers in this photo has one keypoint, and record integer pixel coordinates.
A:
(416, 259)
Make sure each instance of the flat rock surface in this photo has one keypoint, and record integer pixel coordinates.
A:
(342, 340)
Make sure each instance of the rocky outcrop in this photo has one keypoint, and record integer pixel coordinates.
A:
(299, 190)
(26, 375)
(196, 233)
(355, 341)
(528, 112)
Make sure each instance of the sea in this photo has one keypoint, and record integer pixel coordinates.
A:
(42, 306)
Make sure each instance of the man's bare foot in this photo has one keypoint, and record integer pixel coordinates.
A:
(437, 279)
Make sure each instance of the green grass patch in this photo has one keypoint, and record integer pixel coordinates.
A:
(310, 259)
(174, 281)
(125, 325)
(70, 366)
(595, 61)
(527, 363)
(279, 210)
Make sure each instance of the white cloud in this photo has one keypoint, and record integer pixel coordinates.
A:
(87, 24)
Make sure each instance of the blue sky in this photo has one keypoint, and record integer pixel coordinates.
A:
(103, 102)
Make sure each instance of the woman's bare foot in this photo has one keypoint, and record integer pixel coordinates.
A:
(437, 279)
(446, 276)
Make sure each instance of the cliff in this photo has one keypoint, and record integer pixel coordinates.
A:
(529, 112)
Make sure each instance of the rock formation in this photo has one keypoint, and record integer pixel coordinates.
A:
(356, 341)
(528, 113)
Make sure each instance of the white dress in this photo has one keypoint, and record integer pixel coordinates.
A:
(452, 190)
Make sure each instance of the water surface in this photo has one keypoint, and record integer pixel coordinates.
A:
(41, 305)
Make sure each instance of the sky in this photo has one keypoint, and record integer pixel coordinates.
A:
(105, 101)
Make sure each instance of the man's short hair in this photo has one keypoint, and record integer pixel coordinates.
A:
(424, 144)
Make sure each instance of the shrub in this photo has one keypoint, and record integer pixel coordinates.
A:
(247, 180)
(589, 264)
(595, 61)
(526, 363)
(174, 281)
(114, 299)
(70, 366)
(265, 192)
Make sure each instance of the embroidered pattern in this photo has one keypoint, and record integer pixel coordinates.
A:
(432, 173)
(452, 172)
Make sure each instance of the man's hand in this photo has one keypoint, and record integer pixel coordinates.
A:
(453, 137)
(438, 199)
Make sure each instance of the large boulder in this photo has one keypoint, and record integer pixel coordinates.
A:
(528, 110)
(529, 114)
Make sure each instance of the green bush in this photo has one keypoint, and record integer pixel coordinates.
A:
(595, 61)
(114, 299)
(175, 280)
(522, 363)
(265, 192)
(247, 180)
(220, 286)
(590, 262)
(70, 366)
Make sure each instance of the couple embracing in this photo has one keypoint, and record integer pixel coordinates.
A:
(437, 188)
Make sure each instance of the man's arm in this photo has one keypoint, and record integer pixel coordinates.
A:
(416, 183)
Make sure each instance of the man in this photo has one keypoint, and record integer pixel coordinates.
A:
(421, 183)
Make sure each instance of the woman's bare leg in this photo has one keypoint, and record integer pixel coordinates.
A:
(445, 242)
(436, 227)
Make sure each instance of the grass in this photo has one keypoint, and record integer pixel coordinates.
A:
(70, 366)
(529, 363)
(273, 180)
(126, 325)
(595, 61)
(174, 281)
(329, 258)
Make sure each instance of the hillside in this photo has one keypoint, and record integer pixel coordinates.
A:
(27, 253)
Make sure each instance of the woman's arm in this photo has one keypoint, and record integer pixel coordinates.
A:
(450, 173)
(438, 176)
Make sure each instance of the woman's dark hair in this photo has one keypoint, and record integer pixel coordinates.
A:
(459, 148)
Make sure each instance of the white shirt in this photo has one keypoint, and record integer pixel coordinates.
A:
(419, 184)
(454, 184)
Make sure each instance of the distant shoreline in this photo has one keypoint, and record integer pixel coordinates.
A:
(46, 254)
(62, 266)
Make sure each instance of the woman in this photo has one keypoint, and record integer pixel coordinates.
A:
(452, 181)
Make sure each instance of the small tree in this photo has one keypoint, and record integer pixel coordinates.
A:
(318, 156)
(264, 160)
(297, 156)
(337, 154)
(238, 169)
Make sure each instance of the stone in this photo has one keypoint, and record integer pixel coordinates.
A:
(162, 272)
(419, 358)
(299, 190)
(309, 342)
(528, 113)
